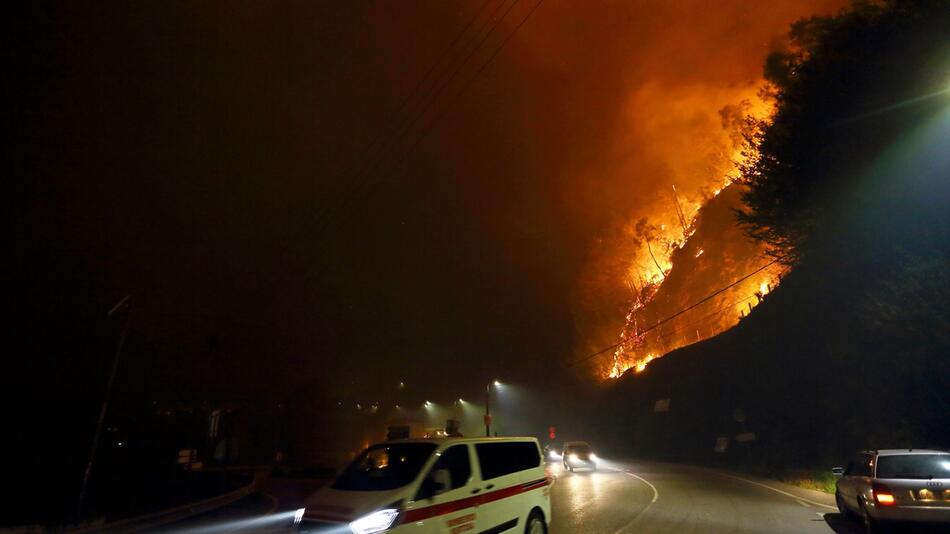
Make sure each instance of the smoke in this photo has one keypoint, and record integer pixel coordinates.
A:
(533, 186)
(655, 95)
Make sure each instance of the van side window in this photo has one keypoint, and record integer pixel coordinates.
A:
(499, 459)
(455, 461)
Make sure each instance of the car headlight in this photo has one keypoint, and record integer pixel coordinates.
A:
(377, 521)
(573, 458)
(594, 457)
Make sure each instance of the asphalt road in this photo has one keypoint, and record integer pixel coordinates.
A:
(631, 497)
(620, 497)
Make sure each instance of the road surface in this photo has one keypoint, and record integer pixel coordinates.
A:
(631, 497)
(621, 497)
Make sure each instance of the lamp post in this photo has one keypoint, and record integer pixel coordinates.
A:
(125, 304)
(488, 410)
(488, 387)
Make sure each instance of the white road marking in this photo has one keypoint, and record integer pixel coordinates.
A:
(274, 503)
(656, 495)
(776, 490)
(802, 503)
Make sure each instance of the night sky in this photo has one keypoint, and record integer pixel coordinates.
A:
(211, 160)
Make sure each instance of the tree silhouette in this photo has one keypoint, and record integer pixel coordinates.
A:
(849, 86)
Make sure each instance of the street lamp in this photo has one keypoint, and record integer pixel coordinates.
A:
(488, 387)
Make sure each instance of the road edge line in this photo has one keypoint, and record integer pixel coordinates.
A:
(656, 494)
(766, 486)
(275, 503)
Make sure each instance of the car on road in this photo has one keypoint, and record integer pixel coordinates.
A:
(436, 485)
(577, 454)
(895, 485)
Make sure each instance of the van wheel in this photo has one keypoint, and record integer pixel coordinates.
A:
(535, 524)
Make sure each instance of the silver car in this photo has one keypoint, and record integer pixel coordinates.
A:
(895, 485)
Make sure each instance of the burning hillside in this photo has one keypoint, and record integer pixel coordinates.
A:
(645, 104)
(693, 298)
(691, 272)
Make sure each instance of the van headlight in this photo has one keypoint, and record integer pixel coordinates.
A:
(377, 521)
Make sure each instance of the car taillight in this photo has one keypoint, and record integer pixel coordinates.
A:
(882, 494)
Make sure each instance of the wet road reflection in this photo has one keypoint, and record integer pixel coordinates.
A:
(630, 497)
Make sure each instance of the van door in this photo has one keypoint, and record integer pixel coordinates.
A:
(506, 469)
(444, 501)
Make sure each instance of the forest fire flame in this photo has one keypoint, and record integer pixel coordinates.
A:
(653, 150)
(679, 264)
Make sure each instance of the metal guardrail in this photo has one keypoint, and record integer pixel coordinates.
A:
(164, 517)
(170, 515)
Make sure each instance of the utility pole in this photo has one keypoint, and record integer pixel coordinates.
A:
(488, 387)
(488, 410)
(126, 303)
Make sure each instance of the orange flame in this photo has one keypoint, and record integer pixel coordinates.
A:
(651, 269)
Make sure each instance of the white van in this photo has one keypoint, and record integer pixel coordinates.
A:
(450, 485)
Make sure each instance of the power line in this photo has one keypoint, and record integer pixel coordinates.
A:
(443, 55)
(701, 301)
(447, 81)
(443, 83)
(704, 318)
(431, 124)
(366, 186)
(369, 158)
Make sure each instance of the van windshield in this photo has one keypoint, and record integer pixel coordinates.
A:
(914, 466)
(385, 467)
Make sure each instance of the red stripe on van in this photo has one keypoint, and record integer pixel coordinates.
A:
(428, 512)
(536, 484)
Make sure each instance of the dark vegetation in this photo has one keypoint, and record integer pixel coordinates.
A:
(851, 189)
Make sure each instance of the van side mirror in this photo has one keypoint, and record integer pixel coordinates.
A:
(837, 471)
(441, 481)
(436, 482)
